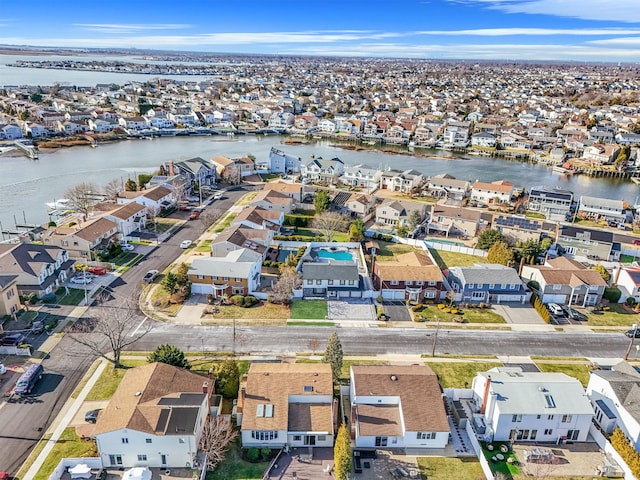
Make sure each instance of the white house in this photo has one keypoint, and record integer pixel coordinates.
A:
(130, 217)
(133, 123)
(629, 283)
(397, 406)
(154, 419)
(155, 199)
(615, 396)
(319, 169)
(483, 139)
(500, 191)
(278, 162)
(531, 406)
(603, 208)
(286, 404)
(400, 181)
(362, 176)
(237, 273)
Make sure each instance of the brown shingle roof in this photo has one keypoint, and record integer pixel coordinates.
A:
(272, 384)
(379, 420)
(282, 187)
(273, 197)
(143, 400)
(222, 160)
(127, 210)
(418, 389)
(96, 229)
(257, 214)
(409, 266)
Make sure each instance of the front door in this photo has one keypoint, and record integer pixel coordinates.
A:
(310, 440)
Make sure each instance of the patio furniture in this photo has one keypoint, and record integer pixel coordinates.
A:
(500, 457)
(504, 448)
(490, 447)
(81, 470)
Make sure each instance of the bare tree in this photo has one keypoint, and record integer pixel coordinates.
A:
(110, 330)
(329, 223)
(208, 217)
(217, 434)
(283, 289)
(113, 188)
(82, 197)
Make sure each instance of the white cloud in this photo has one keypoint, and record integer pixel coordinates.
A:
(129, 28)
(620, 10)
(501, 32)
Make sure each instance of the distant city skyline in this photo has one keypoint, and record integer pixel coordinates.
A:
(553, 30)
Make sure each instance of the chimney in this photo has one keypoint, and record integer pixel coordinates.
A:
(485, 396)
(205, 387)
(171, 174)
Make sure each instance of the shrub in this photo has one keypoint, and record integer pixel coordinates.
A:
(419, 318)
(540, 308)
(253, 454)
(630, 301)
(379, 310)
(626, 451)
(612, 294)
(417, 307)
(250, 301)
(265, 452)
(441, 306)
(237, 300)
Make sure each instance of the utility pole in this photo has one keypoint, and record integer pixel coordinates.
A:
(635, 330)
(435, 338)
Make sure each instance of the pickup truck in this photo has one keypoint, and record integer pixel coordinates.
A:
(150, 276)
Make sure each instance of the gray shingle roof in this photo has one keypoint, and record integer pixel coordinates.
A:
(335, 270)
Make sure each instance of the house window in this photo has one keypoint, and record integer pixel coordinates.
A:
(548, 431)
(516, 418)
(318, 282)
(381, 441)
(200, 277)
(10, 293)
(264, 435)
(342, 282)
(238, 279)
(491, 285)
(309, 282)
(477, 295)
(420, 282)
(408, 282)
(238, 290)
(330, 282)
(566, 418)
(181, 440)
(394, 282)
(125, 440)
(431, 283)
(557, 287)
(538, 417)
(142, 458)
(297, 438)
(351, 282)
(426, 435)
(549, 417)
(148, 440)
(322, 438)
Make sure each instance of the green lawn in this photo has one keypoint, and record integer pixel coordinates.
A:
(68, 446)
(388, 250)
(75, 296)
(106, 385)
(455, 374)
(617, 316)
(162, 225)
(445, 468)
(310, 235)
(575, 370)
(235, 468)
(124, 258)
(204, 246)
(224, 223)
(267, 177)
(470, 315)
(446, 259)
(508, 470)
(264, 311)
(309, 309)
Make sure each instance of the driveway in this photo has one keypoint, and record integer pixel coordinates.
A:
(350, 310)
(397, 311)
(517, 313)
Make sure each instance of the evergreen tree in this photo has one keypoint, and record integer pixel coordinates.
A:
(342, 454)
(322, 201)
(169, 354)
(228, 378)
(488, 237)
(333, 356)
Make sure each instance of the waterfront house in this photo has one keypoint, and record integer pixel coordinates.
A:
(355, 205)
(197, 170)
(71, 128)
(615, 396)
(236, 273)
(397, 406)
(396, 213)
(10, 131)
(448, 186)
(483, 139)
(606, 209)
(565, 281)
(278, 162)
(130, 217)
(554, 203)
(9, 298)
(487, 283)
(35, 130)
(133, 124)
(155, 199)
(293, 190)
(98, 125)
(286, 404)
(410, 276)
(38, 269)
(512, 405)
(155, 418)
(361, 176)
(496, 192)
(227, 170)
(601, 154)
(589, 243)
(321, 170)
(628, 138)
(400, 181)
(84, 238)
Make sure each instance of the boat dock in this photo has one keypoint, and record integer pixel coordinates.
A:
(30, 151)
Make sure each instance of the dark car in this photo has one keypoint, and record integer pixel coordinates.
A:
(575, 315)
(630, 333)
(37, 327)
(12, 339)
(92, 415)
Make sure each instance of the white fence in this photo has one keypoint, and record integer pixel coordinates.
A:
(15, 350)
(604, 444)
(437, 245)
(94, 463)
(486, 468)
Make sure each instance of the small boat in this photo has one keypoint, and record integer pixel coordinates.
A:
(60, 204)
(565, 168)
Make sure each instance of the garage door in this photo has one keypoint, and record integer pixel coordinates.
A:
(390, 294)
(509, 298)
(559, 299)
(201, 288)
(342, 294)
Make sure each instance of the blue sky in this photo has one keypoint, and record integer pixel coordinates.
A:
(582, 30)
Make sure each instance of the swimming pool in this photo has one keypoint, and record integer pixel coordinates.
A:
(284, 253)
(337, 255)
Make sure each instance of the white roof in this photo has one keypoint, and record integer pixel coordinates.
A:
(237, 263)
(537, 393)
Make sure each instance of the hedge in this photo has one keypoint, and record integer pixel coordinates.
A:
(540, 307)
(297, 220)
(629, 454)
(612, 294)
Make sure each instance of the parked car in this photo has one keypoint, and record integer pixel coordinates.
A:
(92, 415)
(28, 379)
(3, 369)
(37, 327)
(186, 244)
(218, 196)
(12, 339)
(127, 247)
(194, 215)
(575, 315)
(97, 270)
(634, 331)
(636, 241)
(555, 309)
(81, 279)
(150, 276)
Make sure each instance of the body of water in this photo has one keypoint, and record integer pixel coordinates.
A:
(27, 185)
